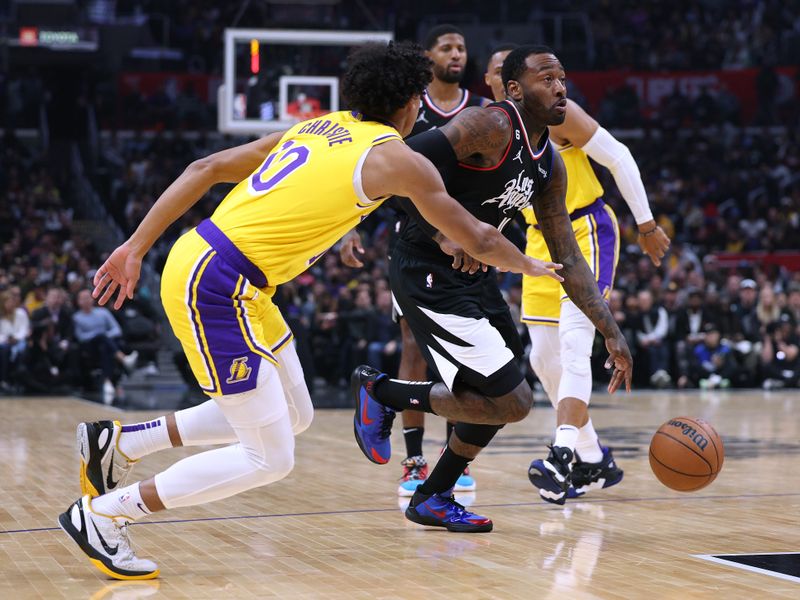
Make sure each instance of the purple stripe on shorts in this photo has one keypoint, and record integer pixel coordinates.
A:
(606, 250)
(196, 320)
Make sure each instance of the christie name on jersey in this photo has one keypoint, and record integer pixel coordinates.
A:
(335, 133)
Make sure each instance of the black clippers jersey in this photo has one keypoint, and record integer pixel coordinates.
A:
(431, 116)
(496, 194)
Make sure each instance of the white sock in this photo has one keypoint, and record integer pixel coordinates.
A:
(566, 436)
(588, 444)
(141, 439)
(125, 502)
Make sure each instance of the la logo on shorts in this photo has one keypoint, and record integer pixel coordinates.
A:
(239, 370)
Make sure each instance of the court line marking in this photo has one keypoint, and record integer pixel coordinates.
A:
(536, 504)
(729, 563)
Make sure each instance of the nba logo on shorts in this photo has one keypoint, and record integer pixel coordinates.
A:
(239, 370)
(429, 280)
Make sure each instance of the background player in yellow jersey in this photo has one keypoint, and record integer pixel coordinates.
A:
(298, 192)
(562, 335)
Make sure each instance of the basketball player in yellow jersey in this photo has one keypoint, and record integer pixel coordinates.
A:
(561, 335)
(298, 193)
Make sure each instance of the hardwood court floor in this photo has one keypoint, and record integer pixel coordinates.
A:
(333, 529)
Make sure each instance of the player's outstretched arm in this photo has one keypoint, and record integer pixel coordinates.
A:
(579, 282)
(394, 169)
(121, 269)
(580, 129)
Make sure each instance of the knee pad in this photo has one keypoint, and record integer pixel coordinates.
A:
(576, 335)
(476, 435)
(545, 358)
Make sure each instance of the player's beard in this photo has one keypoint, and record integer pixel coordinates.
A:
(444, 74)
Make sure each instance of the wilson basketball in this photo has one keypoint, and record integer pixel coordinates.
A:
(686, 454)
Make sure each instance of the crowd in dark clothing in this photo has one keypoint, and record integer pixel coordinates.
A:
(53, 337)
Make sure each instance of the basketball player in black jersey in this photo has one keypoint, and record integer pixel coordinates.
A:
(443, 99)
(495, 161)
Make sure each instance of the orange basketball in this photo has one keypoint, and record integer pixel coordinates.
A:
(686, 454)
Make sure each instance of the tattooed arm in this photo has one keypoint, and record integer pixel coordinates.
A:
(479, 136)
(579, 282)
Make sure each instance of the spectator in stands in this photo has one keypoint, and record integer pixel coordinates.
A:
(713, 365)
(99, 336)
(691, 326)
(14, 331)
(780, 355)
(793, 305)
(745, 330)
(356, 327)
(767, 310)
(58, 313)
(651, 329)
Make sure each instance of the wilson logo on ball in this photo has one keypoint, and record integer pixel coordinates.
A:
(699, 439)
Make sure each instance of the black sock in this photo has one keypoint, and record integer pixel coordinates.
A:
(413, 438)
(402, 395)
(445, 473)
(450, 427)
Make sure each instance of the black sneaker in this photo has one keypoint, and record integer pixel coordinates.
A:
(552, 475)
(595, 476)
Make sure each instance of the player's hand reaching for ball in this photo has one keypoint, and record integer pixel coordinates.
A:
(619, 357)
(120, 271)
(653, 241)
(351, 243)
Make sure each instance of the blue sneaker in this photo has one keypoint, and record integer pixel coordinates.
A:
(552, 475)
(595, 476)
(372, 423)
(442, 510)
(465, 483)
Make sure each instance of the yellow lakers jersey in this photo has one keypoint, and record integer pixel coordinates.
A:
(583, 188)
(305, 195)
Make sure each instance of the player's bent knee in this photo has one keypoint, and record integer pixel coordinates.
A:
(276, 466)
(518, 403)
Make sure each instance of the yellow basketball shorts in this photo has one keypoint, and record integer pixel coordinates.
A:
(597, 233)
(224, 323)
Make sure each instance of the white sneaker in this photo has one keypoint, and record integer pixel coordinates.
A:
(104, 467)
(151, 370)
(129, 360)
(105, 541)
(109, 392)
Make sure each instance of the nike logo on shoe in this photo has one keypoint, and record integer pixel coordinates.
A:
(106, 547)
(364, 418)
(438, 513)
(110, 483)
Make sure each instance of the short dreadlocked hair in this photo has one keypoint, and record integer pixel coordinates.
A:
(514, 64)
(382, 78)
